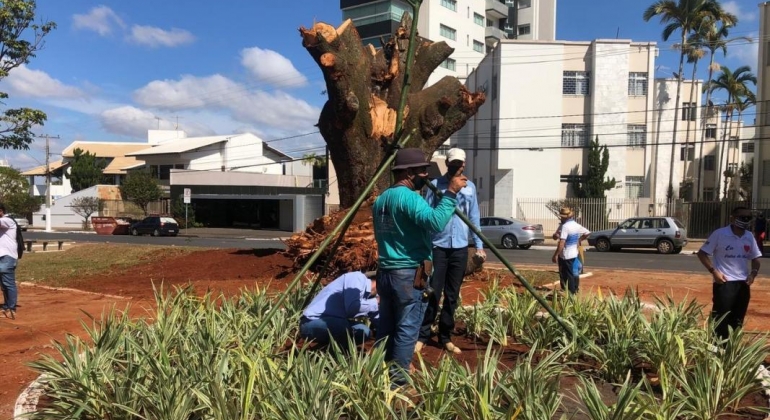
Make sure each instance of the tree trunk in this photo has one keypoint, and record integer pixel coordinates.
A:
(677, 105)
(687, 133)
(703, 132)
(725, 138)
(364, 87)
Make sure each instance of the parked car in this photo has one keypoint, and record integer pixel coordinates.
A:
(155, 226)
(20, 220)
(667, 234)
(511, 233)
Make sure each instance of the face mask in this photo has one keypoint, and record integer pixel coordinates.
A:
(742, 222)
(419, 182)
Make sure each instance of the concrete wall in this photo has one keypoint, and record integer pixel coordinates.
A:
(62, 215)
(182, 177)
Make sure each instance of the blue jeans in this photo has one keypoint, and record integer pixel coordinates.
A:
(8, 281)
(401, 312)
(339, 329)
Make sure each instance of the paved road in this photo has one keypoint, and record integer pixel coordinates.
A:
(626, 259)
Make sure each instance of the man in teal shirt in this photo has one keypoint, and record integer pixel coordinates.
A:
(403, 223)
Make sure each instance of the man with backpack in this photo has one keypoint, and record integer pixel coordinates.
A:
(9, 255)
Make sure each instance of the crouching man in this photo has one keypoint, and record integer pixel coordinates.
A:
(341, 309)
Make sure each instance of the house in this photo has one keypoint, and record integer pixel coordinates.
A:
(235, 180)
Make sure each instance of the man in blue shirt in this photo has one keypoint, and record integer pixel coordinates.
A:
(339, 308)
(450, 255)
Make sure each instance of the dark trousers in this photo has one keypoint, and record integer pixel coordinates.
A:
(730, 300)
(448, 271)
(569, 279)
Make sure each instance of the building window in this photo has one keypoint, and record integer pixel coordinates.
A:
(637, 84)
(634, 186)
(690, 153)
(747, 147)
(448, 32)
(711, 131)
(523, 4)
(766, 173)
(478, 46)
(637, 135)
(708, 194)
(478, 19)
(449, 64)
(450, 4)
(709, 162)
(575, 83)
(524, 29)
(733, 143)
(574, 135)
(689, 112)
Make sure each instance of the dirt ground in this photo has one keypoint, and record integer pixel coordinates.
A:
(47, 314)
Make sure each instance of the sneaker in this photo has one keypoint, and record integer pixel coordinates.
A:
(418, 347)
(9, 313)
(450, 347)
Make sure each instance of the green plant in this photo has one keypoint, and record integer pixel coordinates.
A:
(626, 408)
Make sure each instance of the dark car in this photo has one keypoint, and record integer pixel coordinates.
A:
(155, 226)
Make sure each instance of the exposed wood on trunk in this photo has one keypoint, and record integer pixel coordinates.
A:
(364, 85)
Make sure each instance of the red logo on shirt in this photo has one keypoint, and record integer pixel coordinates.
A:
(746, 248)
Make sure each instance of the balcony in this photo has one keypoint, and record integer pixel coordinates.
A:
(492, 35)
(496, 10)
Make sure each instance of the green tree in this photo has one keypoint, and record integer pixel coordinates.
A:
(594, 184)
(141, 188)
(178, 211)
(85, 207)
(684, 16)
(14, 192)
(713, 36)
(17, 47)
(736, 85)
(86, 170)
(314, 160)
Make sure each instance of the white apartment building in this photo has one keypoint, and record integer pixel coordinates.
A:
(761, 178)
(471, 27)
(547, 100)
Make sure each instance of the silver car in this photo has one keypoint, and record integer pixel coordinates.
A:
(20, 220)
(511, 233)
(667, 234)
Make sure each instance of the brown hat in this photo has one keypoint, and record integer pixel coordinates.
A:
(565, 212)
(410, 158)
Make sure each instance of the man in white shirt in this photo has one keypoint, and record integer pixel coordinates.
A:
(8, 257)
(726, 255)
(566, 255)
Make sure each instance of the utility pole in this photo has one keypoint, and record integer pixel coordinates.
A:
(48, 180)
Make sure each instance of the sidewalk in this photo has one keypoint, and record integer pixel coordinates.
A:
(226, 233)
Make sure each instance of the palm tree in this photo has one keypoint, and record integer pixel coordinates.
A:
(714, 37)
(695, 52)
(683, 16)
(742, 104)
(735, 84)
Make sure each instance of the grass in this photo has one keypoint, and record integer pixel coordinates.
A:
(62, 268)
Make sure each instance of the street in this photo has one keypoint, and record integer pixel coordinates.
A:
(626, 259)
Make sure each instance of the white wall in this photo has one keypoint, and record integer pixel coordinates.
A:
(62, 215)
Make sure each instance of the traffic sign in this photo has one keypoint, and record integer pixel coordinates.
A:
(187, 195)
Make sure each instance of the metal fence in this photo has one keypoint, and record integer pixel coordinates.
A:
(699, 218)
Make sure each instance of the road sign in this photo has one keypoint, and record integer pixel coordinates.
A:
(187, 195)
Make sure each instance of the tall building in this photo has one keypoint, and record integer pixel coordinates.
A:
(761, 177)
(471, 27)
(547, 100)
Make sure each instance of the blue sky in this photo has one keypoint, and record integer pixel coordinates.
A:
(114, 68)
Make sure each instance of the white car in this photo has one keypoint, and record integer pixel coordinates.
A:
(21, 221)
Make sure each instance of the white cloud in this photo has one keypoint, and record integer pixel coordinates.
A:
(736, 9)
(271, 67)
(744, 53)
(101, 19)
(156, 37)
(131, 121)
(277, 109)
(25, 82)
